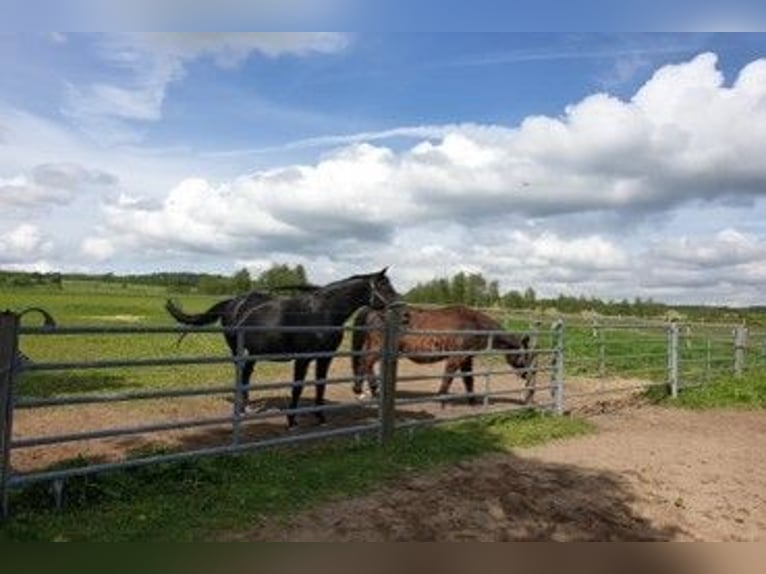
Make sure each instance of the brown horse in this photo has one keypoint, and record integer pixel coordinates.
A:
(422, 341)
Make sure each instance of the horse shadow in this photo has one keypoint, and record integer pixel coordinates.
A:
(501, 496)
(272, 426)
(498, 497)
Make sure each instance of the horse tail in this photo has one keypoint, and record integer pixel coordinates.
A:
(358, 337)
(212, 315)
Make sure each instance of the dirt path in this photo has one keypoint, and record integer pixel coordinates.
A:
(649, 473)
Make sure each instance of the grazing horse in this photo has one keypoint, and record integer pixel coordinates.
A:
(458, 348)
(326, 308)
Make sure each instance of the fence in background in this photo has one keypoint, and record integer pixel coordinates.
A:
(573, 363)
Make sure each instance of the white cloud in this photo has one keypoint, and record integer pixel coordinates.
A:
(727, 248)
(51, 183)
(684, 136)
(587, 252)
(22, 243)
(557, 203)
(152, 61)
(97, 248)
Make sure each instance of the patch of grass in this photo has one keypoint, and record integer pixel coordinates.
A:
(93, 304)
(747, 392)
(194, 500)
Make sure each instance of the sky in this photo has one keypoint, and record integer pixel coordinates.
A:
(610, 165)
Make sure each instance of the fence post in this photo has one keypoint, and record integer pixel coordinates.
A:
(672, 330)
(487, 377)
(9, 344)
(531, 382)
(557, 383)
(388, 370)
(239, 387)
(740, 344)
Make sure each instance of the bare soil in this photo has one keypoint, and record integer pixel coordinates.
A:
(649, 473)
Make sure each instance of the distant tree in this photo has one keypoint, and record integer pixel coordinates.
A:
(214, 285)
(513, 299)
(530, 297)
(279, 276)
(459, 288)
(241, 282)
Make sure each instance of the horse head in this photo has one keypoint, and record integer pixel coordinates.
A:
(382, 293)
(523, 359)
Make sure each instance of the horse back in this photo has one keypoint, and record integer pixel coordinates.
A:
(282, 312)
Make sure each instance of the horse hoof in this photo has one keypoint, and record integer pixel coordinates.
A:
(361, 397)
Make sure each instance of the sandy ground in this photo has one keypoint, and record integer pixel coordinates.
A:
(649, 473)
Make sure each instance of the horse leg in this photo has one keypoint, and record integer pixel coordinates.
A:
(321, 369)
(530, 383)
(364, 371)
(247, 372)
(299, 375)
(466, 368)
(449, 373)
(369, 374)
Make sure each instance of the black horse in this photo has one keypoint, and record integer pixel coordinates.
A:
(326, 308)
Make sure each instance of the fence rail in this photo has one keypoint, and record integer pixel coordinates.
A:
(667, 353)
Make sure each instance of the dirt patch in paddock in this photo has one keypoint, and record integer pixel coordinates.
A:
(649, 473)
(49, 421)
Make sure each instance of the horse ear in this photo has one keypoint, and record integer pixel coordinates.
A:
(382, 272)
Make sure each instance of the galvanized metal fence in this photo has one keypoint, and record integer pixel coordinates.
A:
(598, 353)
(20, 402)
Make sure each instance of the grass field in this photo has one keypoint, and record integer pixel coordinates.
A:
(109, 305)
(639, 352)
(746, 392)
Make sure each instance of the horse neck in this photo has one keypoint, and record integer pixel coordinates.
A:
(345, 299)
(506, 341)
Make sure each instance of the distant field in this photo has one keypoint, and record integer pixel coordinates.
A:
(100, 303)
(89, 303)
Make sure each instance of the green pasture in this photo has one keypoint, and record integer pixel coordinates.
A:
(704, 352)
(89, 303)
(639, 349)
(745, 392)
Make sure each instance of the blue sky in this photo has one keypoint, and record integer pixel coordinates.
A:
(615, 165)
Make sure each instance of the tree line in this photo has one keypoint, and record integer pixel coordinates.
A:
(276, 277)
(471, 289)
(475, 290)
